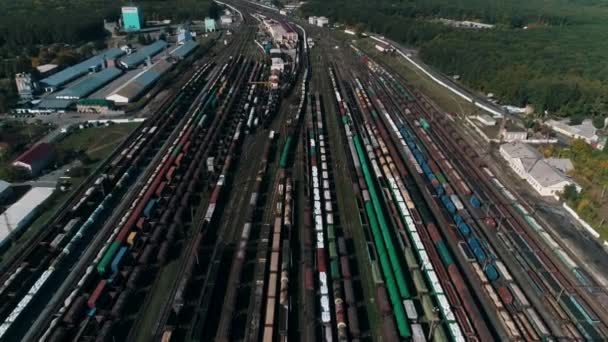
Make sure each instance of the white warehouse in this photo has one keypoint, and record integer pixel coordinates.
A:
(546, 176)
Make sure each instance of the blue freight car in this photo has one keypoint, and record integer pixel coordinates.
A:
(150, 207)
(491, 272)
(464, 228)
(475, 201)
(118, 259)
(475, 246)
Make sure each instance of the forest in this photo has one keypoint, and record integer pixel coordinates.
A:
(547, 53)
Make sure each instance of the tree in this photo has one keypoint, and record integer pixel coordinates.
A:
(598, 121)
(214, 10)
(570, 194)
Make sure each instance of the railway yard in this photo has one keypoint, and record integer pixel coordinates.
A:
(341, 206)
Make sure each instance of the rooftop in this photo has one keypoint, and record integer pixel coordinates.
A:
(75, 71)
(140, 56)
(46, 67)
(142, 81)
(16, 213)
(562, 164)
(51, 103)
(547, 172)
(35, 152)
(184, 50)
(546, 175)
(585, 129)
(520, 150)
(89, 84)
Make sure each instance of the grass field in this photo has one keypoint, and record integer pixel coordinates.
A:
(98, 143)
(441, 96)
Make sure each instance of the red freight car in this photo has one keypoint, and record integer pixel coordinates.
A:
(94, 298)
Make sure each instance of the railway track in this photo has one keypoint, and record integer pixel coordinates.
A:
(45, 261)
(523, 322)
(199, 223)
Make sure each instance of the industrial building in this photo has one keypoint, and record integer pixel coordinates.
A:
(585, 131)
(280, 31)
(546, 176)
(21, 213)
(47, 69)
(89, 84)
(36, 158)
(143, 81)
(210, 25)
(49, 105)
(318, 21)
(25, 86)
(148, 51)
(95, 63)
(132, 18)
(183, 35)
(184, 50)
(226, 19)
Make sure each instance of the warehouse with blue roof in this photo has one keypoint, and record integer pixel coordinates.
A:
(184, 50)
(89, 84)
(137, 58)
(57, 80)
(143, 81)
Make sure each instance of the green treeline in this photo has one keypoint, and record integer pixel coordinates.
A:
(546, 53)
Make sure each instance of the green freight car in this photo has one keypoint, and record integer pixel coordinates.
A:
(104, 264)
(390, 271)
(444, 254)
(285, 153)
(424, 124)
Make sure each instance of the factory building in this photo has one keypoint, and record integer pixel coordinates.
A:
(135, 59)
(47, 69)
(210, 25)
(95, 63)
(184, 50)
(546, 176)
(318, 21)
(280, 31)
(36, 158)
(226, 19)
(143, 81)
(183, 35)
(132, 18)
(322, 21)
(89, 84)
(25, 86)
(585, 131)
(20, 214)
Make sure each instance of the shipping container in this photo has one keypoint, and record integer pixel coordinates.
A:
(118, 260)
(97, 294)
(505, 295)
